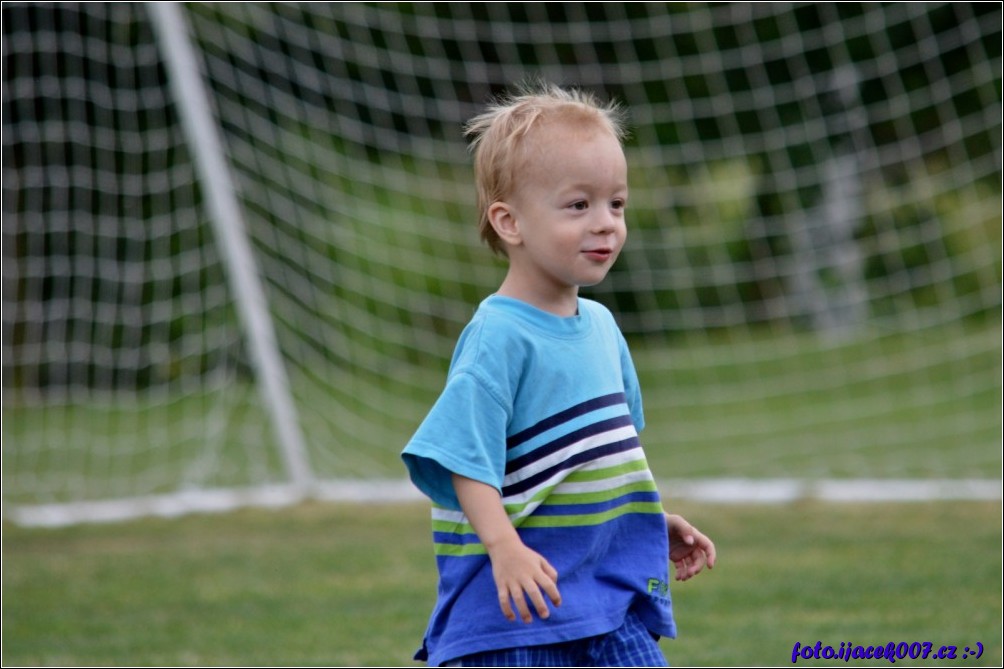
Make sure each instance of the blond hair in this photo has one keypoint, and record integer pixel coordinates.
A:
(498, 138)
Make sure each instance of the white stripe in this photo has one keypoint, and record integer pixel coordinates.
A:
(561, 486)
(561, 455)
(600, 485)
(604, 484)
(449, 515)
(558, 476)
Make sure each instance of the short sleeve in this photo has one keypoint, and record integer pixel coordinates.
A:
(464, 433)
(632, 388)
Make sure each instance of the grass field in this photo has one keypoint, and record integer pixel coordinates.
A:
(353, 585)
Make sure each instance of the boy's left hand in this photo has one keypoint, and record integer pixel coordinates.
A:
(689, 549)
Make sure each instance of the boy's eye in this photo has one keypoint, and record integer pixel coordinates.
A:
(618, 204)
(580, 205)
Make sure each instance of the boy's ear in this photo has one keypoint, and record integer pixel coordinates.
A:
(503, 219)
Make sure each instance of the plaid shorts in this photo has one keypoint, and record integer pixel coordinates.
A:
(632, 645)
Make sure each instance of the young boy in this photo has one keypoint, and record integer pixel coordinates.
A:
(544, 506)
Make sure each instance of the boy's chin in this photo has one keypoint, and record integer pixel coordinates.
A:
(589, 283)
(597, 276)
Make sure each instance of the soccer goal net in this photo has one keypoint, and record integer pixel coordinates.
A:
(239, 239)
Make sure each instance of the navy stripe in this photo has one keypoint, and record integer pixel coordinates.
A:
(546, 449)
(452, 538)
(571, 463)
(596, 507)
(565, 416)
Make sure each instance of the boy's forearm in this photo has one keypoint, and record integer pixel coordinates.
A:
(483, 506)
(524, 578)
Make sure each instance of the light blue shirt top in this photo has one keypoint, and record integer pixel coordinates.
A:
(547, 410)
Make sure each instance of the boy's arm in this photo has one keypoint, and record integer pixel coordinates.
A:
(519, 572)
(689, 549)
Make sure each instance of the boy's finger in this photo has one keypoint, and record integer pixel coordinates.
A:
(538, 602)
(709, 550)
(519, 598)
(551, 572)
(506, 606)
(552, 592)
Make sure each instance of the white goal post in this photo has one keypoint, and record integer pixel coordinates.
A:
(239, 239)
(191, 99)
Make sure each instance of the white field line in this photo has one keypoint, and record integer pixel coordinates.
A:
(783, 491)
(392, 491)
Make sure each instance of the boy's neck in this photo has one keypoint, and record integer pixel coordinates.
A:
(563, 303)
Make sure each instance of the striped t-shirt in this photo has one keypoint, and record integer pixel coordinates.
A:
(547, 410)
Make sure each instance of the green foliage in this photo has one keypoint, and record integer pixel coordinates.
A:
(715, 236)
(715, 228)
(945, 228)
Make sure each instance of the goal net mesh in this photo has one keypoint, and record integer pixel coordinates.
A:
(811, 282)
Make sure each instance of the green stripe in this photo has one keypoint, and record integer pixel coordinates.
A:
(450, 527)
(460, 550)
(555, 499)
(575, 520)
(589, 519)
(600, 496)
(588, 476)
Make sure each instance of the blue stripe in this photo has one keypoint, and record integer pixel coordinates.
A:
(596, 507)
(565, 416)
(546, 449)
(571, 463)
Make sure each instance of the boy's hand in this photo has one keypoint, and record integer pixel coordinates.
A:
(689, 549)
(522, 573)
(519, 572)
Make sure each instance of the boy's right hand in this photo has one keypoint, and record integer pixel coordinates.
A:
(521, 573)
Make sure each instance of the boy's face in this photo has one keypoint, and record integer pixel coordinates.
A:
(568, 206)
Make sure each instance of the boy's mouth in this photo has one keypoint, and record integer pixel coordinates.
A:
(598, 254)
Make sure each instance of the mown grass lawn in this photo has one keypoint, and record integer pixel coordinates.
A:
(353, 585)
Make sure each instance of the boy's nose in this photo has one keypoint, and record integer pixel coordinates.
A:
(605, 222)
